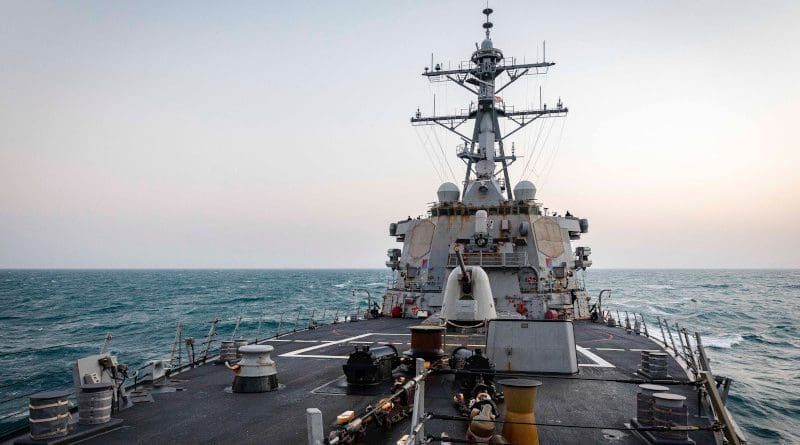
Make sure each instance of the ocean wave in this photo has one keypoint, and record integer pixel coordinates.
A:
(658, 286)
(658, 310)
(375, 284)
(241, 299)
(343, 285)
(768, 340)
(722, 341)
(714, 286)
(708, 315)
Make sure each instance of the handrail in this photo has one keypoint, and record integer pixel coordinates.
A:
(720, 411)
(211, 345)
(699, 365)
(491, 259)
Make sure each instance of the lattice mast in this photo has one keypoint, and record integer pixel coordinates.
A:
(485, 149)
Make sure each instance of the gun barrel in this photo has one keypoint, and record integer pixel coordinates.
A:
(463, 266)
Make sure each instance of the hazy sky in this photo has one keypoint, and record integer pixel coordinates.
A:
(250, 134)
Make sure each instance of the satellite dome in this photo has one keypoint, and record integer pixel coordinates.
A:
(525, 191)
(487, 44)
(448, 192)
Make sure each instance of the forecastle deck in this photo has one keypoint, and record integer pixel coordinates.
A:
(594, 406)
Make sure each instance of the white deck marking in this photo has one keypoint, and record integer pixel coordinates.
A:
(314, 391)
(598, 361)
(300, 353)
(608, 349)
(297, 352)
(644, 350)
(299, 341)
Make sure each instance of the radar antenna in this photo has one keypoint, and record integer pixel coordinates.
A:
(484, 148)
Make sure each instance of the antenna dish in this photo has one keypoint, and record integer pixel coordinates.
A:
(487, 25)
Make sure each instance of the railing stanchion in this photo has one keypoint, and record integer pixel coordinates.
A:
(212, 331)
(680, 340)
(418, 430)
(258, 331)
(691, 351)
(689, 348)
(671, 339)
(644, 325)
(701, 351)
(663, 335)
(236, 328)
(280, 323)
(176, 346)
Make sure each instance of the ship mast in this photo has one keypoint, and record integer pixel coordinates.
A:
(482, 151)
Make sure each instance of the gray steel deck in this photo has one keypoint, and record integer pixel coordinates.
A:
(204, 411)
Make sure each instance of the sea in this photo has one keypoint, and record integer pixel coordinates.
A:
(749, 321)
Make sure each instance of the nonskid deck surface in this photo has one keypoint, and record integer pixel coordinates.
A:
(309, 370)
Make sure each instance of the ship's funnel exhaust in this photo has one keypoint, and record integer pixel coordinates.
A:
(520, 419)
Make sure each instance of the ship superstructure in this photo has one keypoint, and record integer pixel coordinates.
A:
(526, 252)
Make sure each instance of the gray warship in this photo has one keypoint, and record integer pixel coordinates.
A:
(486, 335)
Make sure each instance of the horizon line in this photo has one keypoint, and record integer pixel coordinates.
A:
(353, 268)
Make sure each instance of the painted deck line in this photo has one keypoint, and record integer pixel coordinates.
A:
(301, 341)
(327, 357)
(608, 349)
(301, 353)
(644, 350)
(318, 388)
(296, 353)
(598, 361)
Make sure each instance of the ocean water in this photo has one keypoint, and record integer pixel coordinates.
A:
(749, 320)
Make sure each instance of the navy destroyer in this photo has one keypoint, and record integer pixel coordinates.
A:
(486, 335)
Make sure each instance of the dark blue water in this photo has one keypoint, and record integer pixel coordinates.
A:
(749, 319)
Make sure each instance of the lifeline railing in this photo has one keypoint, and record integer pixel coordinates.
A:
(498, 259)
(15, 404)
(695, 360)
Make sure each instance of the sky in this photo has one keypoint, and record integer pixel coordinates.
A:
(277, 135)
